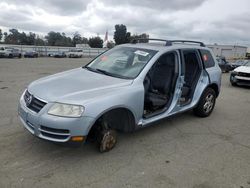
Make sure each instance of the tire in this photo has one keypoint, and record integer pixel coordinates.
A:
(20, 55)
(233, 83)
(10, 56)
(107, 140)
(206, 103)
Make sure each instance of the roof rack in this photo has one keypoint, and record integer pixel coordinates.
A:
(168, 42)
(134, 41)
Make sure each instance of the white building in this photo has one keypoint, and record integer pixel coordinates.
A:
(229, 51)
(46, 50)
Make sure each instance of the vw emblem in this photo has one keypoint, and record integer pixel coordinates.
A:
(29, 100)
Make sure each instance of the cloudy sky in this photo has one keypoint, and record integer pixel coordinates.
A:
(220, 21)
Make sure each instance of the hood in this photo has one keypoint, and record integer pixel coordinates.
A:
(245, 69)
(74, 85)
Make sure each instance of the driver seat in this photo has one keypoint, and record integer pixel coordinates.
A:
(160, 79)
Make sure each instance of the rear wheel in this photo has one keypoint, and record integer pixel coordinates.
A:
(206, 104)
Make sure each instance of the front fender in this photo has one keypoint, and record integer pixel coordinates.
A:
(130, 98)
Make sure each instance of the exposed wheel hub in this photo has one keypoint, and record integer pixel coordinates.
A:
(108, 140)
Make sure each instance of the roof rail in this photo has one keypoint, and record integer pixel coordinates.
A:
(168, 42)
(134, 41)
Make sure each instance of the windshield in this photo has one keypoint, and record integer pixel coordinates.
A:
(247, 64)
(241, 62)
(123, 62)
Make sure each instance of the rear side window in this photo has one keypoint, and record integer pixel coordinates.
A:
(207, 58)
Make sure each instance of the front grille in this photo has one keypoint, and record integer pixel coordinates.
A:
(54, 130)
(33, 103)
(60, 134)
(243, 74)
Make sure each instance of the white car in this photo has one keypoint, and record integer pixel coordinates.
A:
(241, 75)
(75, 53)
(10, 53)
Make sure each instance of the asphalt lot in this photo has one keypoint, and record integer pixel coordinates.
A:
(183, 151)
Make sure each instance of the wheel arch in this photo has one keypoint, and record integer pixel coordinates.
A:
(118, 118)
(215, 87)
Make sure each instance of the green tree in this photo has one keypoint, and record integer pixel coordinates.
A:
(39, 41)
(95, 42)
(110, 44)
(58, 39)
(13, 37)
(77, 39)
(53, 38)
(1, 35)
(144, 37)
(121, 35)
(31, 38)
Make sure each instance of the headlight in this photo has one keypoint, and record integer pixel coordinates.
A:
(66, 110)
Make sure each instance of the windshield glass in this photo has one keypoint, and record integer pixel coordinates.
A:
(247, 64)
(241, 62)
(123, 62)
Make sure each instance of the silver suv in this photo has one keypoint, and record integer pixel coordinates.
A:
(123, 89)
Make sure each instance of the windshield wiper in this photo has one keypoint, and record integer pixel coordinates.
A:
(105, 72)
(112, 74)
(90, 69)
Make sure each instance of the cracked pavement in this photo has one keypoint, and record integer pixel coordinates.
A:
(182, 151)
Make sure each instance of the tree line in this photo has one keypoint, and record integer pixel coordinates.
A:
(53, 38)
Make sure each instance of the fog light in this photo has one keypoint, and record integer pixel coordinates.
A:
(77, 138)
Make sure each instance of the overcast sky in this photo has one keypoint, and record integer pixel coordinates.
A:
(221, 21)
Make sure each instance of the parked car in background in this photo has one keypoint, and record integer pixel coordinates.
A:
(238, 63)
(224, 65)
(75, 53)
(124, 89)
(241, 75)
(31, 54)
(60, 54)
(51, 54)
(10, 53)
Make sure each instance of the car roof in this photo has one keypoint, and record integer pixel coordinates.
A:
(163, 48)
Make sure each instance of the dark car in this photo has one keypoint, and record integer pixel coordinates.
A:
(238, 63)
(30, 54)
(224, 65)
(60, 54)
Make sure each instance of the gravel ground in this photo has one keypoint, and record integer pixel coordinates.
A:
(183, 151)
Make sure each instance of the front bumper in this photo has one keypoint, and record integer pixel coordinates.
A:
(3, 55)
(240, 80)
(53, 128)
